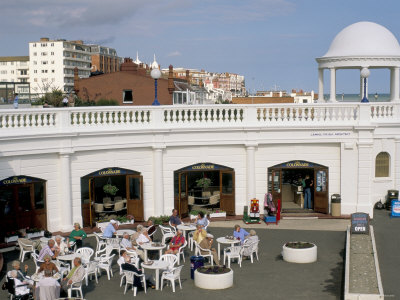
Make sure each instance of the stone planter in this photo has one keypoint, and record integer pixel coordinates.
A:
(218, 215)
(11, 239)
(299, 255)
(213, 281)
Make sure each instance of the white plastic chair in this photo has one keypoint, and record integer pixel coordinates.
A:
(232, 253)
(105, 263)
(208, 223)
(252, 248)
(86, 253)
(77, 287)
(90, 269)
(114, 243)
(172, 275)
(130, 276)
(166, 232)
(24, 249)
(104, 252)
(100, 241)
(203, 252)
(181, 252)
(171, 258)
(36, 261)
(63, 267)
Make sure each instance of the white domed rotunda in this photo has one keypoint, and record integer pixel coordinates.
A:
(363, 46)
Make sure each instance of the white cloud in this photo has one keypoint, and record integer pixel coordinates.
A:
(174, 53)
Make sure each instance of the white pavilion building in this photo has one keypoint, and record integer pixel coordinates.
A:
(81, 164)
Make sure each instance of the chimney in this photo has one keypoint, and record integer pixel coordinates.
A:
(187, 77)
(44, 39)
(76, 81)
(171, 86)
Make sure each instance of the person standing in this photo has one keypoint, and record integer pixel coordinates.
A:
(307, 192)
(16, 99)
(65, 101)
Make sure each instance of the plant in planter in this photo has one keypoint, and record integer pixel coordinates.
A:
(12, 236)
(34, 232)
(299, 252)
(299, 245)
(213, 277)
(214, 270)
(218, 213)
(203, 182)
(110, 189)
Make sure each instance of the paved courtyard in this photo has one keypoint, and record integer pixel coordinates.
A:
(270, 278)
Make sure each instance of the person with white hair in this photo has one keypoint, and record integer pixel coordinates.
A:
(251, 238)
(21, 275)
(110, 230)
(21, 287)
(60, 244)
(143, 237)
(177, 241)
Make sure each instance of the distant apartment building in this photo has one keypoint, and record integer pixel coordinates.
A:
(52, 63)
(104, 59)
(220, 86)
(14, 78)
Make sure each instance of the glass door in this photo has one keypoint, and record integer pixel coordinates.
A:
(321, 193)
(275, 184)
(183, 208)
(134, 191)
(227, 192)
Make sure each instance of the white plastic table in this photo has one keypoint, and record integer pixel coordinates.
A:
(157, 265)
(185, 228)
(68, 257)
(224, 240)
(151, 246)
(121, 232)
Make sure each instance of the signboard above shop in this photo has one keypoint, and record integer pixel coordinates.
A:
(359, 223)
(112, 172)
(298, 164)
(19, 180)
(205, 167)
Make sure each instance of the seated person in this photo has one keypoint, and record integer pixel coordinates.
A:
(77, 235)
(143, 237)
(60, 245)
(136, 234)
(206, 244)
(48, 265)
(201, 219)
(110, 229)
(49, 249)
(251, 238)
(20, 287)
(128, 266)
(177, 241)
(240, 233)
(151, 228)
(127, 244)
(21, 275)
(174, 219)
(199, 234)
(76, 274)
(47, 281)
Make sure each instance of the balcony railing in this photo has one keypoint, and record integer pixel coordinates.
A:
(82, 119)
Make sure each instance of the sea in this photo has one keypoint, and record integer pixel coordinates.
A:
(357, 98)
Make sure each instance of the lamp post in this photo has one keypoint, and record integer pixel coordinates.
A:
(364, 74)
(155, 74)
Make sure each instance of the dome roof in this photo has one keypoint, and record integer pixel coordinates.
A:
(364, 39)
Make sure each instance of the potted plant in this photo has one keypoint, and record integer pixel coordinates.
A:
(34, 232)
(12, 236)
(110, 189)
(213, 277)
(203, 182)
(218, 213)
(128, 219)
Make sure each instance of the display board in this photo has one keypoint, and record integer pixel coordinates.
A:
(359, 223)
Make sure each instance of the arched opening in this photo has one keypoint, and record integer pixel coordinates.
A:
(288, 182)
(382, 165)
(112, 193)
(22, 203)
(204, 186)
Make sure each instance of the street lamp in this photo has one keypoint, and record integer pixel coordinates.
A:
(155, 74)
(364, 74)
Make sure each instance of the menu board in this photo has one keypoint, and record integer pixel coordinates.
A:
(359, 223)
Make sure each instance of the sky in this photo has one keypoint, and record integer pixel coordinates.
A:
(273, 43)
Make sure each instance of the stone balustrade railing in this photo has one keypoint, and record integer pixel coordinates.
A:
(164, 117)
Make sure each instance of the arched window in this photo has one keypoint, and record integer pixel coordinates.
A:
(382, 165)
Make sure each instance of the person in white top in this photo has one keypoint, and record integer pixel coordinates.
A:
(60, 244)
(127, 244)
(21, 288)
(48, 280)
(143, 237)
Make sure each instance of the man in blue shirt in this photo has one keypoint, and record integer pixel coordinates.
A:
(240, 233)
(110, 229)
(174, 219)
(16, 99)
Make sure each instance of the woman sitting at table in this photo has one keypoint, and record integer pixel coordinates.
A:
(177, 241)
(199, 234)
(201, 219)
(240, 233)
(48, 265)
(143, 237)
(21, 275)
(76, 235)
(60, 244)
(253, 237)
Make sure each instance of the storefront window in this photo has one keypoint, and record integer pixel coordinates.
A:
(24, 199)
(227, 183)
(39, 195)
(134, 188)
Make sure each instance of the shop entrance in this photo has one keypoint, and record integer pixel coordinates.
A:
(286, 181)
(111, 193)
(206, 187)
(22, 203)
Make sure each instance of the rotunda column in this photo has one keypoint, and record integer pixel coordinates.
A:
(66, 196)
(394, 84)
(158, 180)
(320, 85)
(251, 171)
(333, 85)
